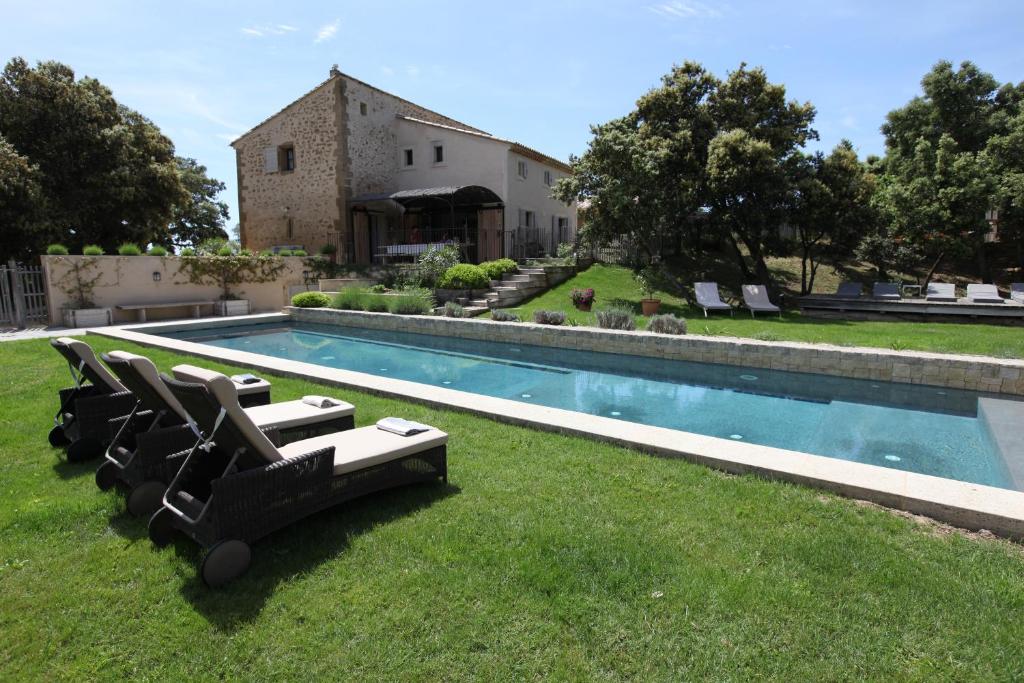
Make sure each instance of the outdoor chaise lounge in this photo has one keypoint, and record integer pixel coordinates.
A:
(153, 441)
(709, 299)
(755, 297)
(1017, 292)
(849, 290)
(238, 485)
(82, 422)
(889, 291)
(941, 291)
(984, 294)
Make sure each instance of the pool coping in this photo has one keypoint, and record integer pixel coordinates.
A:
(963, 504)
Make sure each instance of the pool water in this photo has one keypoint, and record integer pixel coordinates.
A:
(909, 427)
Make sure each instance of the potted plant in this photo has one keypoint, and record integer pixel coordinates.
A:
(78, 284)
(645, 280)
(582, 299)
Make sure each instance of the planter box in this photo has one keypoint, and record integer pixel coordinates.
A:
(232, 307)
(88, 317)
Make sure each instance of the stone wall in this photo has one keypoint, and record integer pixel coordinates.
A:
(976, 373)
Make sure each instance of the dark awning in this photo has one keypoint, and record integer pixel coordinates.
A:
(464, 195)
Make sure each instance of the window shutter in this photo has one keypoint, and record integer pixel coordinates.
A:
(270, 160)
(521, 217)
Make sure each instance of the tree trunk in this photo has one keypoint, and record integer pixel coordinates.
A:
(931, 271)
(814, 272)
(744, 270)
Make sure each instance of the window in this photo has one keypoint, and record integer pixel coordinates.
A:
(562, 226)
(547, 178)
(407, 157)
(362, 108)
(526, 219)
(438, 153)
(521, 170)
(286, 158)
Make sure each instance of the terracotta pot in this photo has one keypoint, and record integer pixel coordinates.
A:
(650, 306)
(584, 307)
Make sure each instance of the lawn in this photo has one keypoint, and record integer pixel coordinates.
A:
(545, 557)
(615, 285)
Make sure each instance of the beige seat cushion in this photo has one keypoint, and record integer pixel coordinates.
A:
(260, 387)
(288, 414)
(146, 371)
(85, 354)
(366, 446)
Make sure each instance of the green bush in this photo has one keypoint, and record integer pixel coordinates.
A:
(412, 303)
(543, 317)
(328, 249)
(129, 249)
(299, 252)
(350, 299)
(495, 269)
(666, 323)
(188, 251)
(377, 303)
(225, 251)
(92, 250)
(57, 250)
(378, 289)
(267, 252)
(433, 263)
(505, 316)
(157, 250)
(616, 319)
(463, 276)
(453, 310)
(311, 300)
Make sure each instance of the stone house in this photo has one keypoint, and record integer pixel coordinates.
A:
(381, 179)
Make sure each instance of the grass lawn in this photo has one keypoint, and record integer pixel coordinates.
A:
(615, 284)
(545, 557)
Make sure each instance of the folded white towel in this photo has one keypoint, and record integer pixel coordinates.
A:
(321, 401)
(397, 425)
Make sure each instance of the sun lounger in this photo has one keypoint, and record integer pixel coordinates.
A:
(755, 297)
(1017, 292)
(984, 294)
(889, 291)
(849, 290)
(941, 291)
(709, 299)
(153, 441)
(82, 422)
(237, 485)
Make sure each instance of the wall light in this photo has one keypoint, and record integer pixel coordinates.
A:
(156, 276)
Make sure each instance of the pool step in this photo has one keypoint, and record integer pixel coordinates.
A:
(1003, 419)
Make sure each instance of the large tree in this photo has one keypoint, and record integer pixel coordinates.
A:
(20, 203)
(200, 217)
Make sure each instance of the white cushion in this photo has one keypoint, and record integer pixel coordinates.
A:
(243, 389)
(287, 414)
(86, 354)
(148, 373)
(367, 446)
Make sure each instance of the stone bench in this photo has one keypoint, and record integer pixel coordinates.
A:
(141, 308)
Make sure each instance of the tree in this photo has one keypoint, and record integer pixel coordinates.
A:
(20, 204)
(200, 217)
(1006, 154)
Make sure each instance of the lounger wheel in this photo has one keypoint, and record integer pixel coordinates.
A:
(145, 498)
(225, 561)
(57, 437)
(84, 449)
(161, 527)
(106, 476)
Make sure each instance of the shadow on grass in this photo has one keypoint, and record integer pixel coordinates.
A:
(290, 552)
(73, 470)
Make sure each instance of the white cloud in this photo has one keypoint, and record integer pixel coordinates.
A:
(268, 30)
(413, 71)
(686, 9)
(849, 121)
(387, 71)
(327, 31)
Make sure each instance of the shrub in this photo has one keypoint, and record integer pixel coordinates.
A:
(666, 323)
(495, 269)
(583, 297)
(157, 250)
(378, 289)
(412, 303)
(129, 249)
(434, 262)
(188, 251)
(350, 299)
(566, 253)
(92, 250)
(505, 316)
(311, 300)
(453, 310)
(299, 252)
(616, 319)
(543, 317)
(245, 252)
(285, 252)
(329, 249)
(57, 250)
(463, 276)
(376, 303)
(225, 251)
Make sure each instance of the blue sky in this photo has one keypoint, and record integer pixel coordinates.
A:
(536, 72)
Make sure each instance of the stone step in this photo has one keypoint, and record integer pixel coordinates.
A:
(476, 303)
(532, 271)
(517, 277)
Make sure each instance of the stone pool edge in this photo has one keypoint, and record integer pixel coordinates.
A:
(962, 504)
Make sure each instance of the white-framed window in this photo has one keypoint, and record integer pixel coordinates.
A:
(547, 178)
(438, 153)
(521, 169)
(408, 158)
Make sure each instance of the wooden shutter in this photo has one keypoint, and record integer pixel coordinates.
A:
(270, 160)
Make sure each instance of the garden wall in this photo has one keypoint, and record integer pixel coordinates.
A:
(976, 373)
(130, 280)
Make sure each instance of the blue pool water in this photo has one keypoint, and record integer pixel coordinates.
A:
(909, 427)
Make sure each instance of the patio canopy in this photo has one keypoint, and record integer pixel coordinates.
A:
(464, 195)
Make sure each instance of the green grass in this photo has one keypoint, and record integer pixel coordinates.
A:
(547, 557)
(615, 285)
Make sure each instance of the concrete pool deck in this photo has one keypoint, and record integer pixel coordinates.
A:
(971, 506)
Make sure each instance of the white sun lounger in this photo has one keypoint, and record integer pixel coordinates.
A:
(941, 291)
(755, 297)
(709, 299)
(984, 294)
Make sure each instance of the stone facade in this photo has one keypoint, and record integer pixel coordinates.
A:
(974, 373)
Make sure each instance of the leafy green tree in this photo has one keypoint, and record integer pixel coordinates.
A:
(20, 204)
(200, 217)
(1006, 154)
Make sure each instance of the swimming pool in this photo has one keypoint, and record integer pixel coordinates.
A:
(899, 426)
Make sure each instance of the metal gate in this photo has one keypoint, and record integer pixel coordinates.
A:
(22, 296)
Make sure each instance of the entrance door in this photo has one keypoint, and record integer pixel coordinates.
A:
(361, 237)
(489, 230)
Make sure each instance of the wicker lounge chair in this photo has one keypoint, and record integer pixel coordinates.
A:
(889, 291)
(1017, 292)
(153, 441)
(984, 294)
(82, 422)
(941, 291)
(709, 299)
(237, 485)
(849, 290)
(755, 297)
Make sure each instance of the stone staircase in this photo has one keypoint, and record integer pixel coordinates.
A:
(514, 288)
